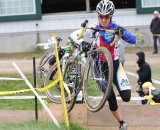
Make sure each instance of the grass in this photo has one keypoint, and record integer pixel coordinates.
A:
(27, 104)
(33, 125)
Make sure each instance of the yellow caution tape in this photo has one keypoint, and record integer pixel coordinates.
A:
(45, 88)
(14, 92)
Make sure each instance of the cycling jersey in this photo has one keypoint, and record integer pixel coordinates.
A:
(104, 38)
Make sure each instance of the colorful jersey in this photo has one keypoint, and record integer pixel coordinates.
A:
(105, 39)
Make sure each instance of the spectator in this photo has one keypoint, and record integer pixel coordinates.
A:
(155, 29)
(144, 73)
(148, 89)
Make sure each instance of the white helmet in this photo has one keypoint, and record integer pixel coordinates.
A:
(105, 7)
(156, 12)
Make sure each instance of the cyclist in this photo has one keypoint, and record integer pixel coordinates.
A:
(148, 89)
(105, 10)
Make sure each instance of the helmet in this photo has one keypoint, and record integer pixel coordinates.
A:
(156, 12)
(105, 7)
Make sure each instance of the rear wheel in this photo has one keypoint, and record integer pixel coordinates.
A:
(43, 68)
(97, 80)
(70, 78)
(54, 93)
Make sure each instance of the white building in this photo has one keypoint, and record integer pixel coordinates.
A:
(22, 24)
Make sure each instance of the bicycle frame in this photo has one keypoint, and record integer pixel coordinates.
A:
(89, 27)
(83, 27)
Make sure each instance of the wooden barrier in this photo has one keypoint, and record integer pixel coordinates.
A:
(138, 117)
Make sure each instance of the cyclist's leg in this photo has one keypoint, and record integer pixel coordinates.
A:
(104, 69)
(114, 109)
(112, 101)
(121, 82)
(97, 74)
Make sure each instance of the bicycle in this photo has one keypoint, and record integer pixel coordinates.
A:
(95, 96)
(96, 60)
(54, 93)
(44, 66)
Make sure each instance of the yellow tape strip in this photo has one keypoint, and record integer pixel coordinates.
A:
(13, 92)
(45, 88)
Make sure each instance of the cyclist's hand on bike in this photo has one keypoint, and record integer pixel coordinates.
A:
(119, 30)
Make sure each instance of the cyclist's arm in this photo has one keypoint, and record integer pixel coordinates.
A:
(128, 37)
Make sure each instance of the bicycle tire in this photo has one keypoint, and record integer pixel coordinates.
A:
(54, 93)
(97, 80)
(69, 77)
(43, 67)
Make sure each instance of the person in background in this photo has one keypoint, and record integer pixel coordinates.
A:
(144, 73)
(150, 90)
(155, 29)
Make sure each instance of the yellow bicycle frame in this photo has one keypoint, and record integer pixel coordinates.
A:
(109, 31)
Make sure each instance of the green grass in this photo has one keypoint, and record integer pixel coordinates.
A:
(21, 104)
(33, 125)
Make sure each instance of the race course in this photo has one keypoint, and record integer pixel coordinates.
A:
(105, 123)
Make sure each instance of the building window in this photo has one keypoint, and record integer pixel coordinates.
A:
(150, 3)
(17, 7)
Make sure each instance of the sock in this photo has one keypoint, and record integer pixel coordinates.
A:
(121, 122)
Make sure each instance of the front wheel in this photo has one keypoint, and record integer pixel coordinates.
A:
(97, 80)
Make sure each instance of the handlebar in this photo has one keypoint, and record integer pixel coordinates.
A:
(84, 26)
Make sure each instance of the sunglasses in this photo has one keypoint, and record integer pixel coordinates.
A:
(104, 16)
